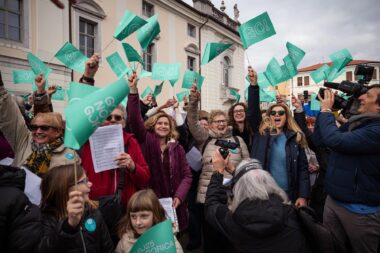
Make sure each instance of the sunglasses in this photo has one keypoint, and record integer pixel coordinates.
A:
(44, 128)
(116, 117)
(83, 181)
(279, 113)
(220, 122)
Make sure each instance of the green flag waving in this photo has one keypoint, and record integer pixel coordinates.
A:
(319, 74)
(158, 89)
(256, 29)
(182, 94)
(291, 68)
(340, 59)
(267, 95)
(143, 74)
(38, 66)
(128, 25)
(146, 92)
(236, 94)
(212, 50)
(78, 91)
(276, 73)
(132, 54)
(164, 72)
(117, 65)
(262, 80)
(72, 57)
(23, 76)
(84, 116)
(158, 238)
(296, 54)
(189, 77)
(148, 32)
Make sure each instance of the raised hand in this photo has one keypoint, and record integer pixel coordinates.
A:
(52, 89)
(252, 75)
(194, 93)
(132, 83)
(40, 83)
(296, 103)
(328, 101)
(75, 208)
(92, 66)
(124, 160)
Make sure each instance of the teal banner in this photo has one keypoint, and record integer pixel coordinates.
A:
(164, 72)
(72, 57)
(148, 32)
(38, 66)
(212, 50)
(189, 77)
(128, 25)
(117, 65)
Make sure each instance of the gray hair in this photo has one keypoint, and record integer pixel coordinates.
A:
(122, 109)
(255, 184)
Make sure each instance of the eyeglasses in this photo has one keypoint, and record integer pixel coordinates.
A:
(44, 128)
(239, 111)
(279, 113)
(219, 122)
(116, 117)
(83, 181)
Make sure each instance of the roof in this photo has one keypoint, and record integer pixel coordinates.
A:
(353, 62)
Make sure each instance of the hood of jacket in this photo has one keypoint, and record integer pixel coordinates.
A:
(261, 217)
(12, 176)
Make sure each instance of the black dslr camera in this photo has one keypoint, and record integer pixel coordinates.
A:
(355, 90)
(225, 146)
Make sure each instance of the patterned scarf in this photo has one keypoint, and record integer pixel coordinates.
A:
(39, 161)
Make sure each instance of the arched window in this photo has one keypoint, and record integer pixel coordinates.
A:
(226, 71)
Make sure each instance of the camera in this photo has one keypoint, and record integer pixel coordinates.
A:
(225, 146)
(354, 90)
(224, 152)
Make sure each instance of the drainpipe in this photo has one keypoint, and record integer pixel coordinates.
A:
(70, 35)
(200, 49)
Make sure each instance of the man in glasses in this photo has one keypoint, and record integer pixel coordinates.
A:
(41, 148)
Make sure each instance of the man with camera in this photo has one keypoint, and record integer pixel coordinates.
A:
(352, 209)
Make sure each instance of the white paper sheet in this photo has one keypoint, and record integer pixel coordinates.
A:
(106, 144)
(6, 161)
(167, 204)
(32, 187)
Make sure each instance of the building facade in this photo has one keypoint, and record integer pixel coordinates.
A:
(39, 27)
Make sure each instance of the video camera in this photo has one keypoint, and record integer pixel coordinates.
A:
(355, 90)
(225, 146)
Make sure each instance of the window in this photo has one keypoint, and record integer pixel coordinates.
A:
(10, 19)
(226, 71)
(191, 31)
(148, 58)
(299, 81)
(349, 76)
(374, 76)
(306, 80)
(87, 36)
(191, 63)
(147, 9)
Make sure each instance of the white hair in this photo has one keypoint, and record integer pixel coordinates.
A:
(255, 184)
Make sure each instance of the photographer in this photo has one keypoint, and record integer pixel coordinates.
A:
(352, 209)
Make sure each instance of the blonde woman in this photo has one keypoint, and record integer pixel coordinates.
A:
(278, 143)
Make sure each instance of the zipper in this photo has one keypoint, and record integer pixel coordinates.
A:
(82, 237)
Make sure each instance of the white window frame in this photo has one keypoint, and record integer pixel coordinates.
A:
(191, 30)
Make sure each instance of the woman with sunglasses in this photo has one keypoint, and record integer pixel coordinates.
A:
(209, 140)
(70, 221)
(42, 147)
(166, 158)
(278, 143)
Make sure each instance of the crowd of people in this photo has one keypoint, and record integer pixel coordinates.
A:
(238, 180)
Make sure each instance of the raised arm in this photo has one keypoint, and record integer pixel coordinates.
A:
(254, 113)
(91, 67)
(41, 98)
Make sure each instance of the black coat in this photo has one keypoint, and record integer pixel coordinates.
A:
(256, 225)
(59, 236)
(20, 228)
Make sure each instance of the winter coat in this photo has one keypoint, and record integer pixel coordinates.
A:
(208, 138)
(353, 173)
(256, 225)
(128, 240)
(20, 228)
(170, 172)
(13, 126)
(5, 148)
(105, 183)
(296, 161)
(59, 236)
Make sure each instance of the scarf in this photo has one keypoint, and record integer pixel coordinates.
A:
(39, 161)
(358, 120)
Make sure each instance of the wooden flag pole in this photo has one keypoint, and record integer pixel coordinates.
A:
(109, 43)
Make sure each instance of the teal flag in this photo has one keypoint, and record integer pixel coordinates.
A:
(148, 32)
(146, 92)
(143, 74)
(128, 25)
(23, 76)
(296, 54)
(72, 57)
(182, 94)
(320, 73)
(132, 54)
(235, 94)
(164, 72)
(315, 105)
(212, 50)
(262, 80)
(340, 59)
(117, 65)
(189, 77)
(59, 95)
(158, 89)
(158, 238)
(38, 66)
(78, 91)
(333, 73)
(85, 116)
(291, 68)
(256, 29)
(276, 73)
(267, 95)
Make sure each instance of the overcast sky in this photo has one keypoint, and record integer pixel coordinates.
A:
(319, 27)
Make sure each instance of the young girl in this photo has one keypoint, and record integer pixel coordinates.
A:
(69, 223)
(143, 211)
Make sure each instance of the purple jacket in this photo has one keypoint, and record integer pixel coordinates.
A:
(170, 175)
(5, 148)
